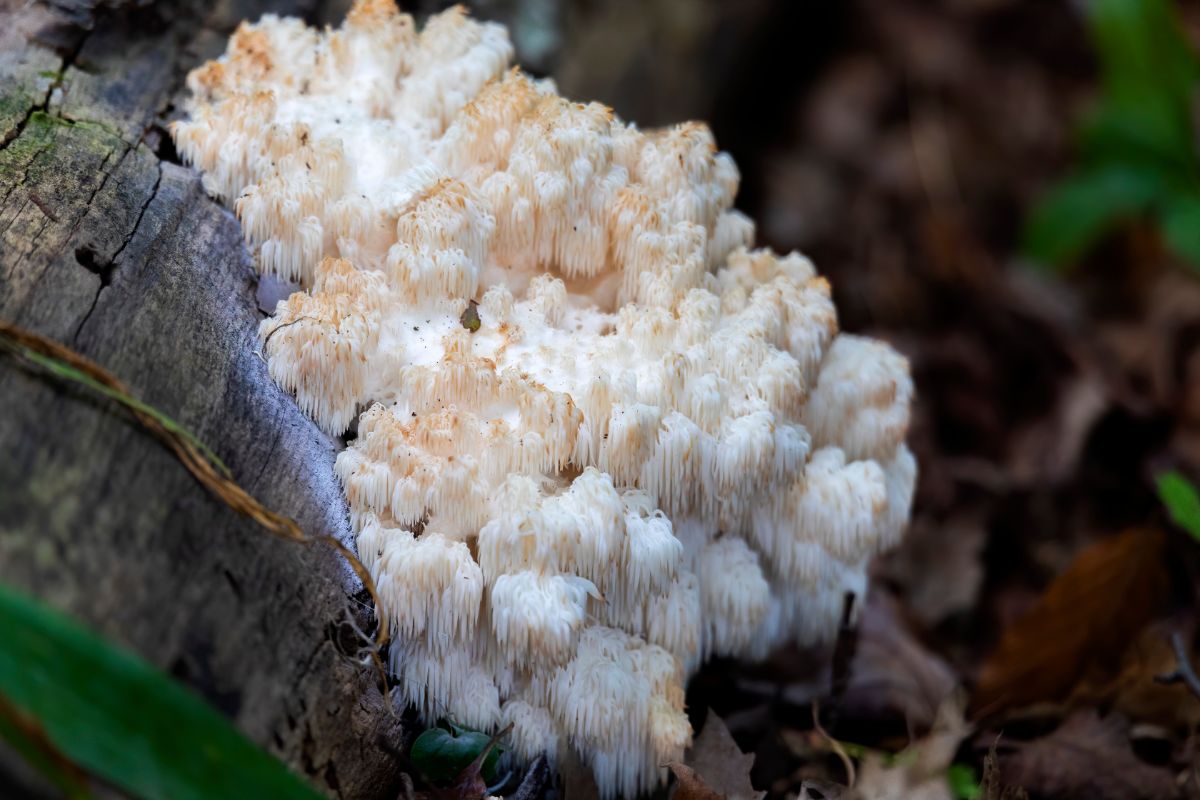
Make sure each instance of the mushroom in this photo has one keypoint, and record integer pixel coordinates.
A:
(600, 437)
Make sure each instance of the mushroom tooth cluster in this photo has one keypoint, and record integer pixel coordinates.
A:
(857, 405)
(599, 437)
(734, 595)
(624, 699)
(324, 346)
(431, 580)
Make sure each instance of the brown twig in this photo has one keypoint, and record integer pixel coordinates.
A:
(204, 466)
(834, 744)
(278, 328)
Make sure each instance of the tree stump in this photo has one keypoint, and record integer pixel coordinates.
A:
(111, 247)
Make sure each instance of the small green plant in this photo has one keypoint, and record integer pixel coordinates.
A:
(442, 753)
(1137, 148)
(1182, 500)
(963, 782)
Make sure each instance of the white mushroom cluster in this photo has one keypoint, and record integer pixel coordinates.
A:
(600, 438)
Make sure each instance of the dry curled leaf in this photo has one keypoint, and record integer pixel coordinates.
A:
(1082, 623)
(1087, 757)
(1137, 691)
(715, 764)
(881, 781)
(690, 786)
(992, 785)
(892, 673)
(940, 567)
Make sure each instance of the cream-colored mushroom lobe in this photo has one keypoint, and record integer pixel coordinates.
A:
(653, 448)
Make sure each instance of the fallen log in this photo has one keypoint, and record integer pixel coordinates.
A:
(109, 246)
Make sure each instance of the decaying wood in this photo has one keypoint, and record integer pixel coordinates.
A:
(109, 246)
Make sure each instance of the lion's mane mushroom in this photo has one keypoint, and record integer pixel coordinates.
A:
(603, 438)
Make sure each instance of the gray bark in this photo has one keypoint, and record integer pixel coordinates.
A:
(111, 249)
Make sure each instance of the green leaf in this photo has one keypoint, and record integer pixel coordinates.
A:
(1181, 226)
(1143, 49)
(442, 754)
(964, 784)
(29, 741)
(1138, 145)
(121, 719)
(1083, 207)
(1147, 131)
(1182, 500)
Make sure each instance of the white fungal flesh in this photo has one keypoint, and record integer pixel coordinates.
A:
(651, 448)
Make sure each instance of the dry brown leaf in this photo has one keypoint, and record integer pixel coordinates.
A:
(1151, 351)
(690, 786)
(1089, 758)
(1047, 449)
(992, 785)
(1136, 691)
(1083, 622)
(893, 674)
(719, 763)
(940, 565)
(878, 781)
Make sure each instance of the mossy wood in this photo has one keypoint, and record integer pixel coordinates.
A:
(108, 246)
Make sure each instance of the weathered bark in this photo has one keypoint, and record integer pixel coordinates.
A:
(109, 247)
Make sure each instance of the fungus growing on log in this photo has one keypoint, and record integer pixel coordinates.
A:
(600, 438)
